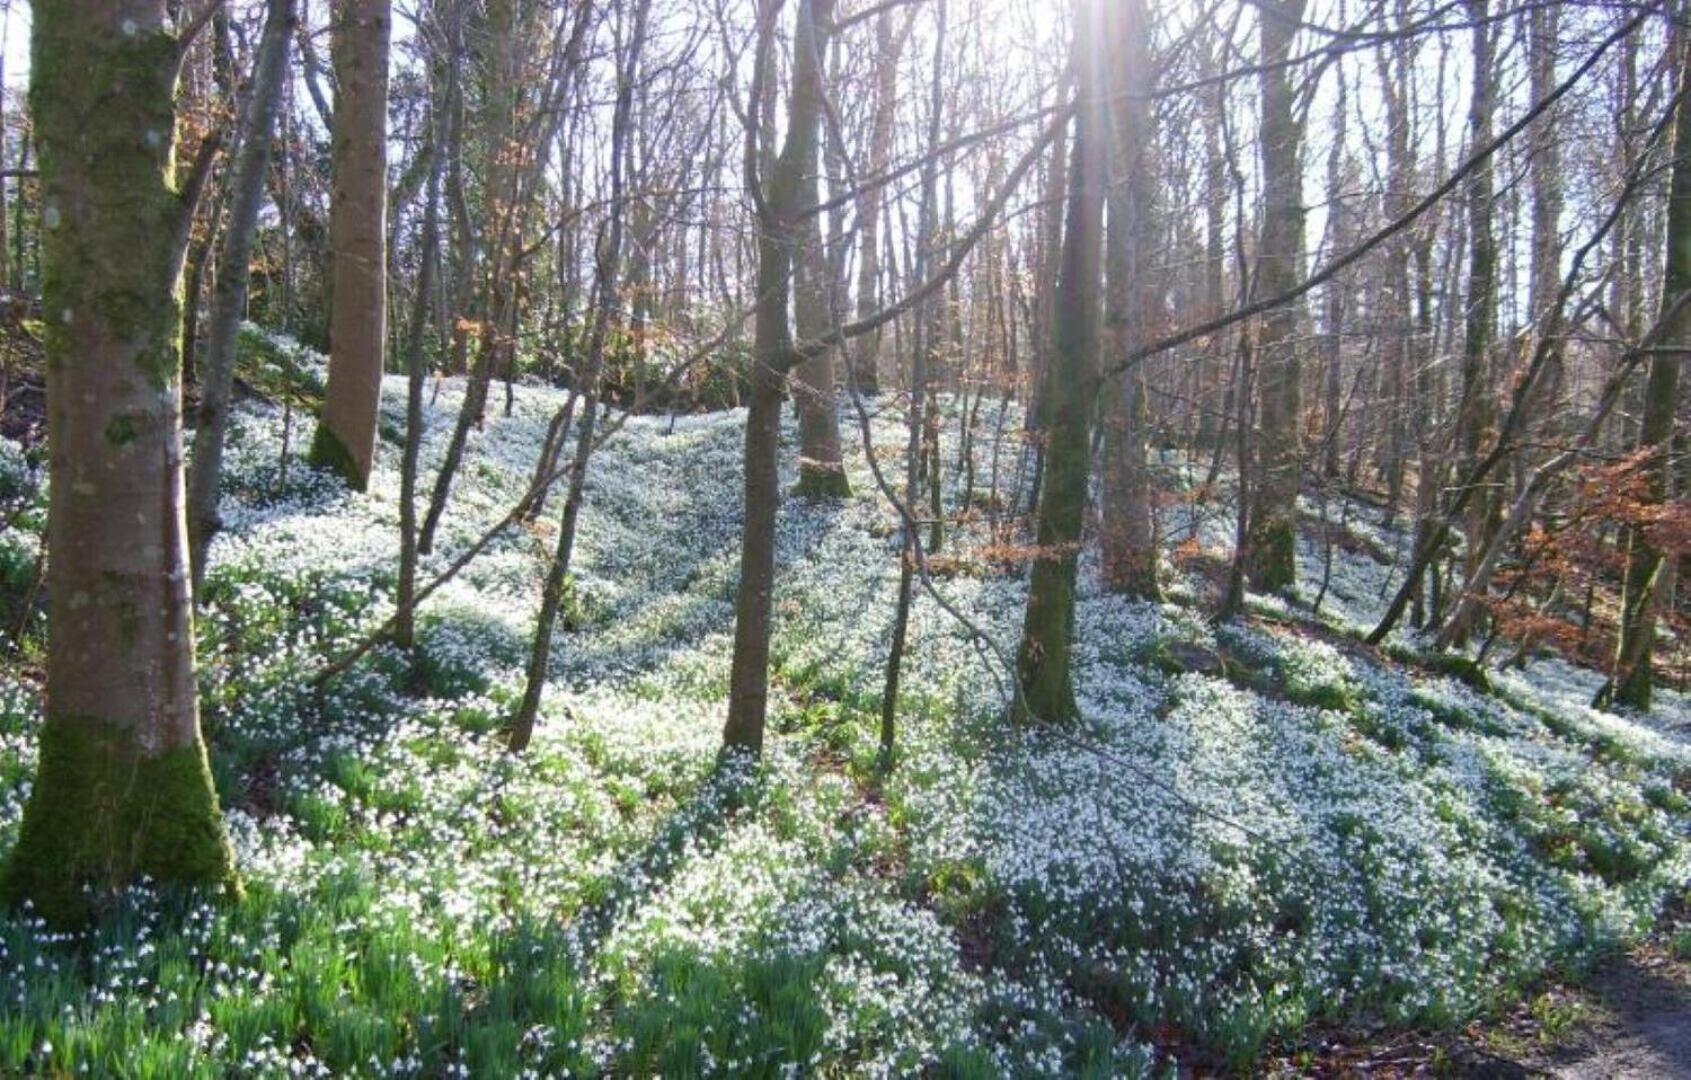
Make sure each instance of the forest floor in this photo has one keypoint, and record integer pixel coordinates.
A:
(1265, 847)
(1629, 1016)
(1639, 1025)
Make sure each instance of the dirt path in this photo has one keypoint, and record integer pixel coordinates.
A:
(1630, 1018)
(1640, 1024)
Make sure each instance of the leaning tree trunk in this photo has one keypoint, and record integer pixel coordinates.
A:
(123, 787)
(1271, 545)
(586, 388)
(346, 436)
(1646, 565)
(1044, 658)
(229, 300)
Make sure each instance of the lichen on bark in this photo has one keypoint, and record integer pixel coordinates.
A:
(122, 788)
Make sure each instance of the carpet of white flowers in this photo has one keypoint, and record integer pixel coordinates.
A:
(1309, 831)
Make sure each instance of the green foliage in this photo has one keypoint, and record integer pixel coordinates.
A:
(275, 368)
(676, 1025)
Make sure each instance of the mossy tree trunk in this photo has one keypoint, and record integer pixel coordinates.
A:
(123, 787)
(1044, 658)
(1648, 570)
(346, 435)
(1271, 545)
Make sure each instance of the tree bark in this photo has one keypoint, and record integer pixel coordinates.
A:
(1271, 545)
(1045, 656)
(346, 435)
(229, 302)
(1129, 528)
(123, 787)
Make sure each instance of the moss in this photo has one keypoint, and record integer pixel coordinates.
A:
(817, 483)
(103, 812)
(1463, 669)
(328, 452)
(123, 430)
(110, 88)
(1272, 560)
(1634, 691)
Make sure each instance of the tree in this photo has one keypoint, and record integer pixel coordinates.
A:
(919, 408)
(1271, 550)
(1044, 658)
(1477, 413)
(780, 205)
(446, 70)
(229, 302)
(1129, 530)
(609, 257)
(866, 358)
(346, 435)
(821, 464)
(1647, 567)
(123, 787)
(774, 351)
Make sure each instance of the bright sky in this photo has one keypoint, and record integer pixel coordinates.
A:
(14, 23)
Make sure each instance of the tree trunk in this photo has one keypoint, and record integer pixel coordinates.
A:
(1129, 529)
(866, 357)
(123, 787)
(917, 422)
(821, 461)
(1630, 681)
(346, 436)
(820, 455)
(1271, 545)
(609, 258)
(417, 370)
(229, 303)
(1044, 658)
(777, 243)
(1477, 415)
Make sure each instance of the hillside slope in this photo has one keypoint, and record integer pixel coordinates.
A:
(1257, 827)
